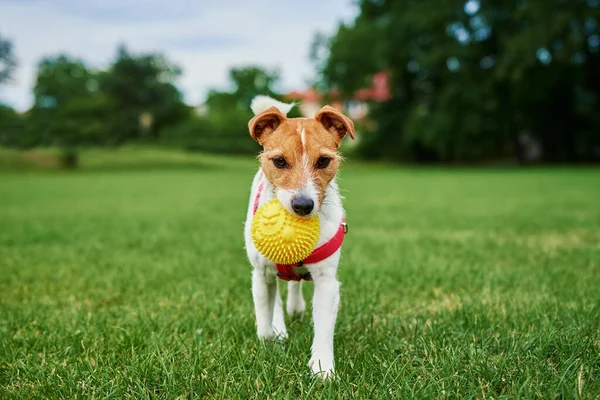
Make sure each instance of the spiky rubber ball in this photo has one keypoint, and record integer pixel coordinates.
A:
(281, 236)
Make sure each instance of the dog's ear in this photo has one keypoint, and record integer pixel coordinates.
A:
(335, 122)
(264, 123)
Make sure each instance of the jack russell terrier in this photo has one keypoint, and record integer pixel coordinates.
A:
(298, 167)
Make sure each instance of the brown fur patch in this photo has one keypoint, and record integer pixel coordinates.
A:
(301, 142)
(286, 142)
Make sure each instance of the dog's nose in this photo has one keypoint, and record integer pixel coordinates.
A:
(302, 205)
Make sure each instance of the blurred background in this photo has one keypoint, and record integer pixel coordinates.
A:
(436, 81)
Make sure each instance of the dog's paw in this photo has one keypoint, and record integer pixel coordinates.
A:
(266, 335)
(322, 367)
(280, 334)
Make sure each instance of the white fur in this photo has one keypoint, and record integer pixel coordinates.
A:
(303, 138)
(265, 292)
(262, 103)
(285, 198)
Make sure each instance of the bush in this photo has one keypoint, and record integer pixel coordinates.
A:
(11, 127)
(69, 159)
(218, 132)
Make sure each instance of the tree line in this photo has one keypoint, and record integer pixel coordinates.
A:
(469, 81)
(473, 80)
(133, 100)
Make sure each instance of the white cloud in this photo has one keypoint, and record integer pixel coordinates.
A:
(204, 38)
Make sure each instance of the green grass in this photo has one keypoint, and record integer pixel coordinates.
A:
(123, 158)
(455, 284)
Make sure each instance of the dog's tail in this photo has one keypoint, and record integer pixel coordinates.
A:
(263, 103)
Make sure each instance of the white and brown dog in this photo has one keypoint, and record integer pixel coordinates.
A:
(298, 166)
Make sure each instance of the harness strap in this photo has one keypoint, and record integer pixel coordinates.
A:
(261, 186)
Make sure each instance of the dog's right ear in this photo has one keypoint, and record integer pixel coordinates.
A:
(264, 123)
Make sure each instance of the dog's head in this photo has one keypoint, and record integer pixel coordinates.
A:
(300, 155)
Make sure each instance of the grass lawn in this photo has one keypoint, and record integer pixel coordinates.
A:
(455, 284)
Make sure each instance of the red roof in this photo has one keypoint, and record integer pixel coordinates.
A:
(379, 91)
(310, 95)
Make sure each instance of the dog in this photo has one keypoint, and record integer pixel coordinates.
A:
(298, 166)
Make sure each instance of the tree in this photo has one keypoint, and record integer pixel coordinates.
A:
(247, 82)
(59, 116)
(144, 95)
(11, 124)
(7, 60)
(250, 81)
(11, 127)
(75, 106)
(224, 127)
(69, 110)
(59, 80)
(468, 78)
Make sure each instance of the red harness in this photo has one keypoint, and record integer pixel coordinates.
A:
(326, 250)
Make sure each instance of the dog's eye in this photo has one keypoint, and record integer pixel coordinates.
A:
(323, 162)
(280, 162)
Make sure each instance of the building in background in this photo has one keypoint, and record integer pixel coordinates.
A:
(356, 108)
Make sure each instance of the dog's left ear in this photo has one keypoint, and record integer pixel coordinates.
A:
(335, 122)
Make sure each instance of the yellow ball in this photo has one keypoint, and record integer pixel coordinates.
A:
(281, 236)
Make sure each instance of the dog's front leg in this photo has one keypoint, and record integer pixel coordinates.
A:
(295, 302)
(278, 318)
(326, 301)
(264, 289)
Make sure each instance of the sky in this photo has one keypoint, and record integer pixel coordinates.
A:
(204, 37)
